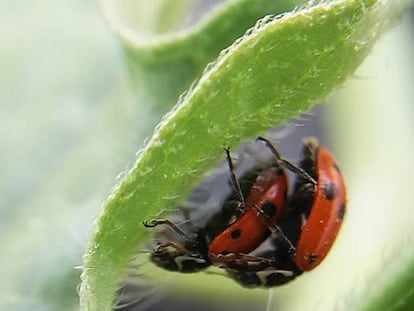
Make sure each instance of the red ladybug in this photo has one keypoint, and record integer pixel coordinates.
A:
(327, 209)
(309, 225)
(228, 237)
(301, 235)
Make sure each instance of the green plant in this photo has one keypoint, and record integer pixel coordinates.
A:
(277, 70)
(72, 118)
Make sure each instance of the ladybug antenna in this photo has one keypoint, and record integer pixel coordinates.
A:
(286, 163)
(234, 180)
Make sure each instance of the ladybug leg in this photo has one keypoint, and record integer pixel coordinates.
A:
(239, 258)
(282, 237)
(263, 214)
(161, 247)
(156, 222)
(235, 181)
(276, 230)
(286, 163)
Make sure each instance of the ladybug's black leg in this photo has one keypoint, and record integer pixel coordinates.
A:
(234, 180)
(287, 164)
(160, 248)
(281, 236)
(240, 258)
(157, 222)
(276, 230)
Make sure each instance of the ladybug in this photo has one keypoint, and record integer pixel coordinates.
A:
(317, 205)
(309, 225)
(297, 238)
(323, 208)
(241, 225)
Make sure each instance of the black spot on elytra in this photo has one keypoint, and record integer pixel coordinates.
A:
(312, 258)
(269, 209)
(330, 191)
(235, 234)
(342, 211)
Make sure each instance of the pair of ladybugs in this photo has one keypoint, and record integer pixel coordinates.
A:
(260, 236)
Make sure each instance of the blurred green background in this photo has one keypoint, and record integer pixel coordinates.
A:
(70, 124)
(72, 120)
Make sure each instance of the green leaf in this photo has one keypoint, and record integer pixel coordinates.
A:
(172, 60)
(278, 70)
